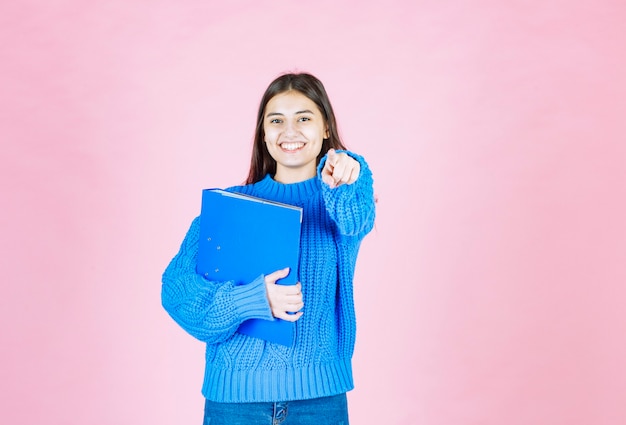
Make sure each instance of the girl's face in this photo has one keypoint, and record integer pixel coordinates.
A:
(294, 129)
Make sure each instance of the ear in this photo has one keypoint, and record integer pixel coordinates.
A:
(326, 132)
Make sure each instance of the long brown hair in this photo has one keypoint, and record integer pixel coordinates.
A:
(262, 162)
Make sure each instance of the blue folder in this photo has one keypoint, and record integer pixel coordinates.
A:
(242, 237)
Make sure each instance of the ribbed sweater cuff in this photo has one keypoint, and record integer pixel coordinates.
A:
(250, 300)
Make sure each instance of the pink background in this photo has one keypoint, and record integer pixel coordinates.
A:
(493, 287)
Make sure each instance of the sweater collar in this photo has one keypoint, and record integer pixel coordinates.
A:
(290, 192)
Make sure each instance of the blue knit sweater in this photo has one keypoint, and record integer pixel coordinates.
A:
(240, 368)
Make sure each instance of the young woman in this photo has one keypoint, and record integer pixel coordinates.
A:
(299, 159)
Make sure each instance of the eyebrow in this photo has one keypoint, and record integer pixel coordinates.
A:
(306, 111)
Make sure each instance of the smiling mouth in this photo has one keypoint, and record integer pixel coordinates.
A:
(291, 146)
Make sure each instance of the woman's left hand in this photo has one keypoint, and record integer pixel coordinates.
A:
(340, 168)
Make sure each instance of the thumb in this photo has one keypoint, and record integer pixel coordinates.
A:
(278, 274)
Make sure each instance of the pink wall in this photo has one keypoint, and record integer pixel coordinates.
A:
(491, 291)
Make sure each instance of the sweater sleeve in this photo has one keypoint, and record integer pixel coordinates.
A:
(351, 206)
(211, 311)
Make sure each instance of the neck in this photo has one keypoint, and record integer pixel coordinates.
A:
(294, 175)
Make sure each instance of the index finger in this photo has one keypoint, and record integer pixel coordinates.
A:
(331, 156)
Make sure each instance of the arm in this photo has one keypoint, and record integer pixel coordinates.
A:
(349, 197)
(210, 311)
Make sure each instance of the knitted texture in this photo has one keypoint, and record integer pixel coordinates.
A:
(240, 368)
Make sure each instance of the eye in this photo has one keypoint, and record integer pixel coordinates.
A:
(304, 119)
(275, 121)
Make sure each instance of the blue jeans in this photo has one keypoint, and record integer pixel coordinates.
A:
(331, 410)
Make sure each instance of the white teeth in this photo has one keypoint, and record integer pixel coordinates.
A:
(291, 146)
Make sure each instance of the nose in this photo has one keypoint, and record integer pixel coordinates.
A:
(290, 128)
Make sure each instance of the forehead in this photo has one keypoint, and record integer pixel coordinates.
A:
(290, 102)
